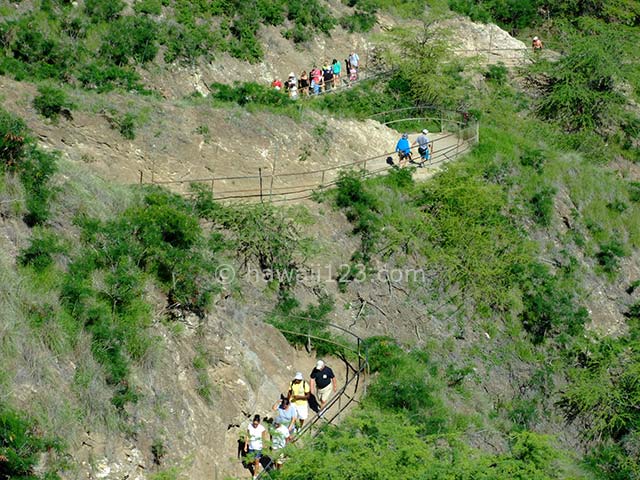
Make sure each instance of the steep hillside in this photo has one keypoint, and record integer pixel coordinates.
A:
(498, 299)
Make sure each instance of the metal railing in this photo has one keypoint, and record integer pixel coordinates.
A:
(356, 371)
(263, 186)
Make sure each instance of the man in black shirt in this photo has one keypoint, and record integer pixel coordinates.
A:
(323, 382)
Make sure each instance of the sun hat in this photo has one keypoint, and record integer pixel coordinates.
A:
(319, 365)
(292, 75)
(425, 131)
(298, 376)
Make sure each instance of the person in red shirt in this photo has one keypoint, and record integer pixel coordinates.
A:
(277, 84)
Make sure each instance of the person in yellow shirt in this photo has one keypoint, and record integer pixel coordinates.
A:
(299, 391)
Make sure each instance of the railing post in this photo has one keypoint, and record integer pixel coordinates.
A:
(260, 175)
(212, 182)
(322, 180)
(140, 176)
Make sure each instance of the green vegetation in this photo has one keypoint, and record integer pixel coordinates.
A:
(404, 430)
(21, 444)
(511, 242)
(20, 157)
(51, 101)
(99, 47)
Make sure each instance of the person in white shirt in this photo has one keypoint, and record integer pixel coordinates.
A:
(256, 435)
(279, 438)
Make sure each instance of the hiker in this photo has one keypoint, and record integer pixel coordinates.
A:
(280, 436)
(323, 382)
(354, 59)
(316, 80)
(327, 76)
(292, 86)
(277, 84)
(536, 44)
(425, 147)
(299, 392)
(303, 83)
(286, 413)
(404, 149)
(254, 442)
(337, 69)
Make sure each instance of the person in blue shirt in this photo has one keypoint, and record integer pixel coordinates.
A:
(404, 150)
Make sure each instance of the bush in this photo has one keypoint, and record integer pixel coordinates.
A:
(307, 327)
(51, 101)
(127, 126)
(358, 22)
(548, 305)
(131, 38)
(39, 254)
(21, 447)
(151, 7)
(609, 254)
(497, 73)
(104, 77)
(542, 205)
(13, 140)
(362, 209)
(35, 173)
(580, 94)
(103, 10)
(248, 93)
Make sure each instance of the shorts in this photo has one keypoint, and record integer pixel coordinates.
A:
(255, 453)
(324, 394)
(424, 153)
(302, 411)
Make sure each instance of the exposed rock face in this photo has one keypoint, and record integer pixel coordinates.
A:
(487, 41)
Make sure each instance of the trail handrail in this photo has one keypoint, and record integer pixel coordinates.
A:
(360, 350)
(467, 131)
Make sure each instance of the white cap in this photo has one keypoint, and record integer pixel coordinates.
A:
(292, 75)
(319, 365)
(425, 131)
(535, 38)
(298, 376)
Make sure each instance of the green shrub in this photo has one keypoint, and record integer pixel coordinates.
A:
(358, 22)
(609, 255)
(127, 126)
(580, 93)
(43, 247)
(130, 38)
(249, 93)
(542, 205)
(103, 10)
(13, 140)
(533, 158)
(36, 171)
(634, 191)
(104, 77)
(150, 7)
(497, 73)
(51, 101)
(21, 447)
(549, 305)
(307, 327)
(362, 210)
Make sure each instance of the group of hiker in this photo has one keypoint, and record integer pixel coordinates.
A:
(403, 149)
(290, 413)
(321, 79)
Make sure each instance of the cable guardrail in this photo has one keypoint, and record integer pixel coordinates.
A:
(466, 132)
(353, 374)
